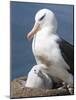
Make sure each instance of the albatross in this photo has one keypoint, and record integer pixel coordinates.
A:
(37, 78)
(50, 49)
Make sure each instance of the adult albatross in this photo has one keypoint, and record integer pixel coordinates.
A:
(50, 49)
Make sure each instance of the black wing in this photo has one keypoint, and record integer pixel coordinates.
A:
(67, 51)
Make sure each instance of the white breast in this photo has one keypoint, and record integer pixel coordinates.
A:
(45, 44)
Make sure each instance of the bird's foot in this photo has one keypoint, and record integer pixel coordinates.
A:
(69, 88)
(63, 86)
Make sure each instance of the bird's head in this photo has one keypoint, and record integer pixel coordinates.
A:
(43, 18)
(37, 68)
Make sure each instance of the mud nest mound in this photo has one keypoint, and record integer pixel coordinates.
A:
(18, 92)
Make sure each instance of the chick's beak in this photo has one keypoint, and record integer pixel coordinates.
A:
(34, 30)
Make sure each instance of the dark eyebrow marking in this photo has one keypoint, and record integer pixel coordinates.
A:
(42, 17)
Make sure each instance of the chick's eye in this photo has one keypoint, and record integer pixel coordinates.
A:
(42, 17)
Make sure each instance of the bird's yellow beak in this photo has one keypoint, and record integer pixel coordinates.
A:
(34, 30)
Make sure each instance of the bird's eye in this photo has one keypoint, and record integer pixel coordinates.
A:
(42, 17)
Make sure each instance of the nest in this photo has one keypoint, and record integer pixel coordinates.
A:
(18, 92)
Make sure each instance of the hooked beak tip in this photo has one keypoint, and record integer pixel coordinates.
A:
(29, 36)
(33, 31)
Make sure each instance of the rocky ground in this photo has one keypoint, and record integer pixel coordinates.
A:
(18, 91)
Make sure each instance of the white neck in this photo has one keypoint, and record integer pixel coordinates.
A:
(46, 31)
